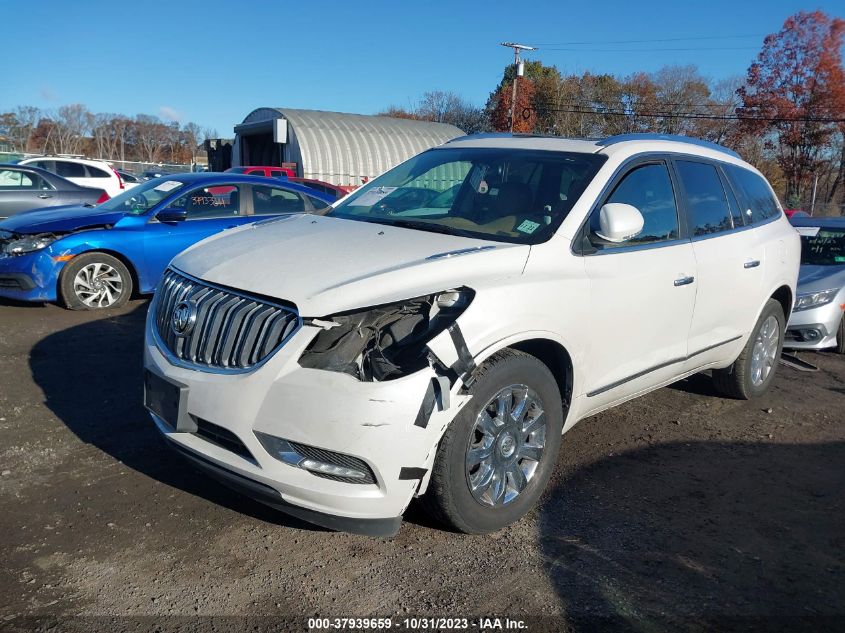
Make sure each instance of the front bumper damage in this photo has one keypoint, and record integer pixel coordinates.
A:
(29, 277)
(393, 426)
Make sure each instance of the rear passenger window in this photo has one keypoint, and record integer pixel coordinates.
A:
(272, 201)
(755, 196)
(70, 170)
(706, 202)
(96, 172)
(45, 164)
(649, 189)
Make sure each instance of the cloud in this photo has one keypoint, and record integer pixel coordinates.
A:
(169, 114)
(47, 93)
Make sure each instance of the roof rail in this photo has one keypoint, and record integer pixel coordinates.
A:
(678, 138)
(524, 135)
(481, 135)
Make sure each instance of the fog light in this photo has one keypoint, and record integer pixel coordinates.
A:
(318, 461)
(331, 469)
(812, 335)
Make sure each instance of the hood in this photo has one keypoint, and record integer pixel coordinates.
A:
(59, 219)
(327, 265)
(814, 278)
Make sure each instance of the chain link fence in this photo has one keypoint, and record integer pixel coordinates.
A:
(136, 167)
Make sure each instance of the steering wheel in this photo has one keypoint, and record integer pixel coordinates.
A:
(139, 203)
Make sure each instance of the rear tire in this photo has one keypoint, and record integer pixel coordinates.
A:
(515, 417)
(95, 281)
(753, 372)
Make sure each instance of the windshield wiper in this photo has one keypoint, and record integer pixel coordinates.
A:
(420, 226)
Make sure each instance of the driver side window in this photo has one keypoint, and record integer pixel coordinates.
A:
(222, 201)
(649, 189)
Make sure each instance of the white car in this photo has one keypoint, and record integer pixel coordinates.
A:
(434, 333)
(82, 171)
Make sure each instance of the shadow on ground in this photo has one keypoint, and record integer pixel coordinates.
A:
(701, 536)
(91, 376)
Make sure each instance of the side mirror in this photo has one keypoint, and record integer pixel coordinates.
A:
(619, 222)
(172, 215)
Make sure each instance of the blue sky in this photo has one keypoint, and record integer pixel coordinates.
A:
(213, 62)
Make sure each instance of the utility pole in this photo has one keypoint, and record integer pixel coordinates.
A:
(815, 186)
(518, 69)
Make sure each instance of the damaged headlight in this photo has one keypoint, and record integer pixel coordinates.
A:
(28, 243)
(384, 342)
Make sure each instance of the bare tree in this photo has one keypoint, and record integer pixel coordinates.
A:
(151, 136)
(26, 118)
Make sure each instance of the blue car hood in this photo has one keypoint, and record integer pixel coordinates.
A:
(60, 219)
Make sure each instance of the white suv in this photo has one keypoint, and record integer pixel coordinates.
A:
(434, 333)
(82, 171)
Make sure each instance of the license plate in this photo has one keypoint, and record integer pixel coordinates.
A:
(163, 397)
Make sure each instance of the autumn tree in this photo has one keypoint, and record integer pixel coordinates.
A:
(524, 114)
(795, 90)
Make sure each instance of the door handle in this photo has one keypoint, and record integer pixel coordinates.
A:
(684, 281)
(751, 263)
(44, 196)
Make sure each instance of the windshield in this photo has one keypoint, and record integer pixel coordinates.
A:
(140, 199)
(508, 195)
(822, 247)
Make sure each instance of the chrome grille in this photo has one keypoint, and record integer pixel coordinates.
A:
(231, 331)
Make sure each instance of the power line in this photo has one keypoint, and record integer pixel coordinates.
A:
(652, 50)
(695, 115)
(650, 41)
(710, 104)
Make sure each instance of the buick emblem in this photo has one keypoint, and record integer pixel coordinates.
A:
(183, 318)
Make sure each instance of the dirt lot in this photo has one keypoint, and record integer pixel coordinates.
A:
(680, 510)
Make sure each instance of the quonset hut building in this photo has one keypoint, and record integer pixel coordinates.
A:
(340, 148)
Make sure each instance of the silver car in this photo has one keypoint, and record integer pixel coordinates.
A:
(817, 321)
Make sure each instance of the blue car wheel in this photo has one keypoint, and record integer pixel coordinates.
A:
(95, 281)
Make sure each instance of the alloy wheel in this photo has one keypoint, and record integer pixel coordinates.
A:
(98, 285)
(764, 353)
(505, 446)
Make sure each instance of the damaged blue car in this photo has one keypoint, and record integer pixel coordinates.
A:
(95, 257)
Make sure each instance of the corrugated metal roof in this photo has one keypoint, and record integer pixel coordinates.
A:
(342, 148)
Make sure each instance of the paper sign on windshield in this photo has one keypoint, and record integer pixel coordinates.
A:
(373, 196)
(168, 185)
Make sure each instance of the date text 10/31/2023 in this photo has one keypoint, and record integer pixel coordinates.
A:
(480, 624)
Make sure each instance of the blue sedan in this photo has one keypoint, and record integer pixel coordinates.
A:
(96, 257)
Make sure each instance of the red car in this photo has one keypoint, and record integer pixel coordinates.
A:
(257, 170)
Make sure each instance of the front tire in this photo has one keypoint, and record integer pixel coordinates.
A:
(497, 455)
(840, 336)
(95, 281)
(753, 372)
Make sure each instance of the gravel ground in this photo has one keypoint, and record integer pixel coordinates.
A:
(680, 510)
